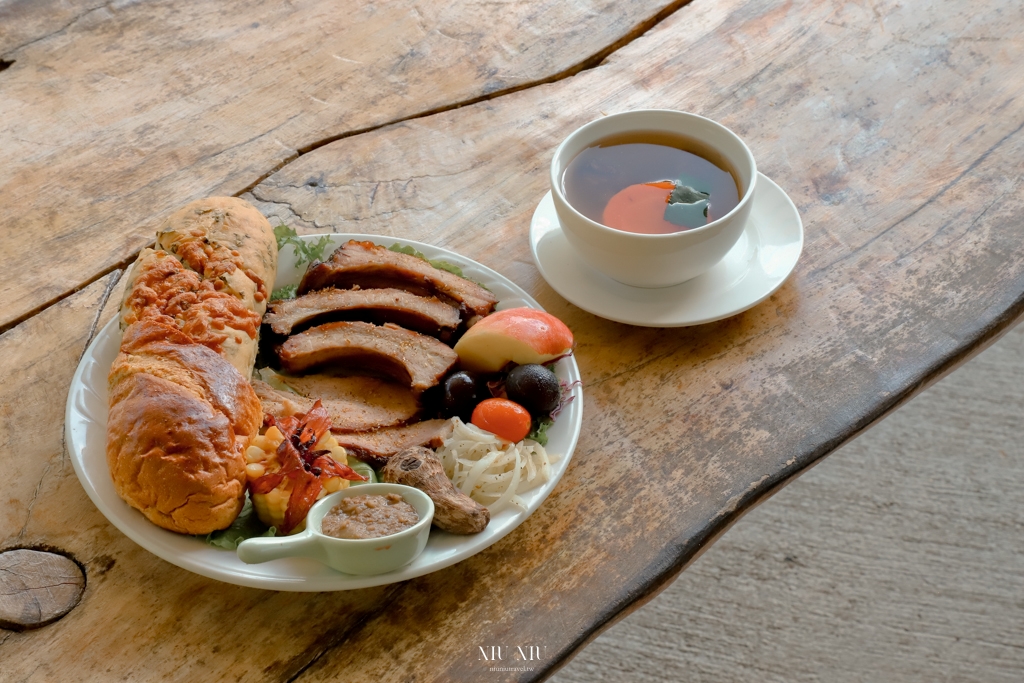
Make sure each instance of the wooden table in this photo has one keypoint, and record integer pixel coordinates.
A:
(895, 127)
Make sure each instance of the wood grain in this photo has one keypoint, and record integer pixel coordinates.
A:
(37, 588)
(26, 21)
(38, 359)
(912, 574)
(191, 623)
(907, 175)
(912, 230)
(114, 116)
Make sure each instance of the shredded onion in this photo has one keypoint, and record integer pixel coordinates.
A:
(492, 471)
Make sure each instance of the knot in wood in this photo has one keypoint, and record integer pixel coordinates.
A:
(37, 588)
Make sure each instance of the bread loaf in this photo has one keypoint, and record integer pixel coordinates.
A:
(182, 410)
(211, 235)
(161, 288)
(180, 419)
(210, 273)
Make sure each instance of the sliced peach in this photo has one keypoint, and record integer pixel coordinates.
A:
(516, 335)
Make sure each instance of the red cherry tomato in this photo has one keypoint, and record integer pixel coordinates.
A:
(503, 418)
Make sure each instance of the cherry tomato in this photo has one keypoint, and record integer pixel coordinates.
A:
(503, 418)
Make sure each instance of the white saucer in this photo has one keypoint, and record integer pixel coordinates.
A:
(757, 265)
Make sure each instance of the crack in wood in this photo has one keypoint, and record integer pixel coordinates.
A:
(32, 503)
(586, 64)
(295, 216)
(62, 29)
(121, 265)
(956, 221)
(385, 602)
(93, 327)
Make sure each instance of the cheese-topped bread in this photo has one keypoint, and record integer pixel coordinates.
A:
(182, 410)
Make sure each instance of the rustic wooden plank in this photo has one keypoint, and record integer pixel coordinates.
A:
(38, 359)
(26, 21)
(114, 116)
(37, 588)
(194, 625)
(912, 259)
(913, 574)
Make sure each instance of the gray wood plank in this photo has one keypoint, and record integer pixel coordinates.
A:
(897, 559)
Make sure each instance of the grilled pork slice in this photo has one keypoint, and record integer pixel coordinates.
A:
(416, 360)
(366, 265)
(354, 404)
(376, 447)
(428, 315)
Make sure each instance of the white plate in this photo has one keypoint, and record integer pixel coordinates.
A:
(85, 432)
(754, 268)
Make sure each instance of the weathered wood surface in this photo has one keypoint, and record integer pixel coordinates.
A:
(112, 115)
(907, 174)
(193, 625)
(911, 258)
(913, 575)
(37, 588)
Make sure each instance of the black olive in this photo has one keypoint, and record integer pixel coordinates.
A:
(461, 394)
(534, 387)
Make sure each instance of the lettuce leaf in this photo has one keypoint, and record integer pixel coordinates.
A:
(437, 263)
(364, 469)
(246, 525)
(306, 251)
(286, 292)
(539, 433)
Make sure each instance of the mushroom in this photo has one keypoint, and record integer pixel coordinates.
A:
(454, 511)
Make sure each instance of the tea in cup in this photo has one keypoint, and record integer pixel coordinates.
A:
(653, 198)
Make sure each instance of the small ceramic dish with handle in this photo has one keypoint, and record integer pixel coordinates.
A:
(359, 556)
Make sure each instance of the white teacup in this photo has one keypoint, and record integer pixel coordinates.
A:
(645, 260)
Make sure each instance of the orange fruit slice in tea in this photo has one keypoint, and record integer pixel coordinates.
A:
(641, 208)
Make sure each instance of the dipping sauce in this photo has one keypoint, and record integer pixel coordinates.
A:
(639, 182)
(369, 516)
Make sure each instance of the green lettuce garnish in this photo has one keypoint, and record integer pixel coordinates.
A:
(246, 525)
(364, 469)
(286, 292)
(306, 251)
(437, 263)
(539, 433)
